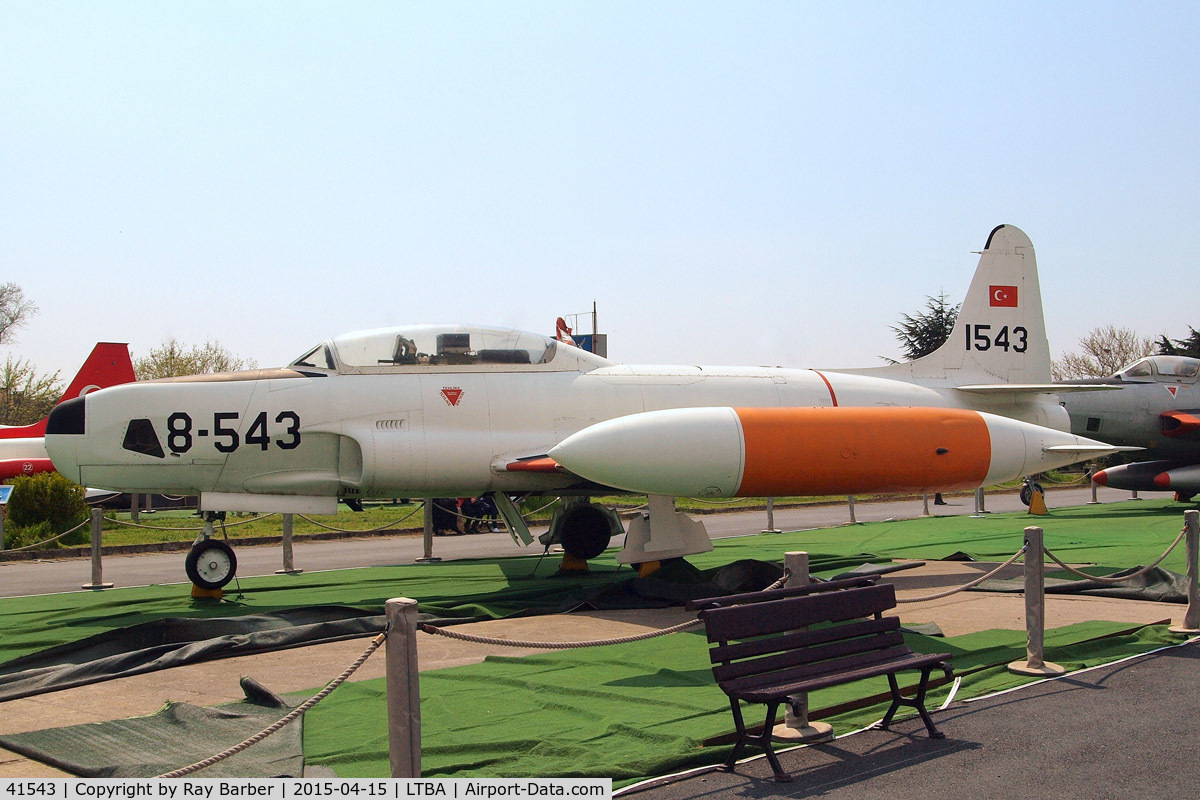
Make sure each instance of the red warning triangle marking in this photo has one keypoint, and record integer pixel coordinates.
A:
(452, 394)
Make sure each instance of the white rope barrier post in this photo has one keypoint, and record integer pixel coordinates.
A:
(1035, 609)
(771, 516)
(924, 505)
(980, 505)
(428, 557)
(853, 520)
(796, 727)
(1191, 617)
(289, 565)
(1094, 501)
(403, 689)
(97, 568)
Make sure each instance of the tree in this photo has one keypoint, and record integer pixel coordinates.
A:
(1105, 350)
(921, 333)
(1189, 346)
(25, 396)
(45, 505)
(15, 311)
(173, 359)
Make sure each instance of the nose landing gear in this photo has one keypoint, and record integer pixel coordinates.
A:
(211, 563)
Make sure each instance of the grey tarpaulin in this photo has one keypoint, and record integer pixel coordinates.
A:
(1158, 584)
(179, 734)
(171, 642)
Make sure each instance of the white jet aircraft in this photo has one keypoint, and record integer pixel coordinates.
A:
(457, 411)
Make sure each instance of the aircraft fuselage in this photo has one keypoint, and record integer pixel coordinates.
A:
(411, 430)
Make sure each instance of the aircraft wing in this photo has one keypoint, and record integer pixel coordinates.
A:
(1180, 424)
(543, 464)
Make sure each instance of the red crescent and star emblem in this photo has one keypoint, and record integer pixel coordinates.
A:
(1002, 296)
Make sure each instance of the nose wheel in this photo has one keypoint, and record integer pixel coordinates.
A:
(211, 563)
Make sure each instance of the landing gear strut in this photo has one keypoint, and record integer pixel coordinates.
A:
(211, 563)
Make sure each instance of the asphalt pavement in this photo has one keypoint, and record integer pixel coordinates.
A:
(1123, 730)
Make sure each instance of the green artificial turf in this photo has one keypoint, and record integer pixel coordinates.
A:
(1115, 535)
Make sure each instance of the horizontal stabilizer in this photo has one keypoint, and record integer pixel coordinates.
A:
(1096, 447)
(1035, 388)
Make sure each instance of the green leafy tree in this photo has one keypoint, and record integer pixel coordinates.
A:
(921, 333)
(1105, 350)
(25, 396)
(174, 359)
(1189, 346)
(48, 503)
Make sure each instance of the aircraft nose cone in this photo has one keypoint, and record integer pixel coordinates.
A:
(1100, 478)
(65, 424)
(67, 418)
(1163, 480)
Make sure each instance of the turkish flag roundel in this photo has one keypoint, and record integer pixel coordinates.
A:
(1003, 296)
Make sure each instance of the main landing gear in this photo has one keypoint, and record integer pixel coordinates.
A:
(211, 563)
(583, 529)
(1028, 487)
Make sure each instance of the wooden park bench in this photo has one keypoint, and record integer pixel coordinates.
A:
(764, 650)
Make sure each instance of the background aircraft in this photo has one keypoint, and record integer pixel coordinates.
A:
(23, 448)
(451, 410)
(1157, 407)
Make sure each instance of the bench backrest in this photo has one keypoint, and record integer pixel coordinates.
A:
(761, 638)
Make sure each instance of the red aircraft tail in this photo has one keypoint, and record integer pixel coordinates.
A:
(108, 365)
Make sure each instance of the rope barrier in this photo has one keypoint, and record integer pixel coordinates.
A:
(44, 541)
(1082, 479)
(468, 637)
(364, 530)
(296, 712)
(1111, 578)
(966, 586)
(543, 508)
(496, 520)
(186, 530)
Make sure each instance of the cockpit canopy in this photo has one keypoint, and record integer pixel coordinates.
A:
(422, 347)
(1167, 369)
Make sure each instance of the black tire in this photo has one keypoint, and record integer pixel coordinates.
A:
(1027, 490)
(585, 532)
(210, 564)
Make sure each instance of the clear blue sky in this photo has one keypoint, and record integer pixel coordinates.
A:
(732, 183)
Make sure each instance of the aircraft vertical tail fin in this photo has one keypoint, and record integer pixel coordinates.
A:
(1000, 335)
(107, 365)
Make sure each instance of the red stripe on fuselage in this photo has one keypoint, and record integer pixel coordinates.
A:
(828, 385)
